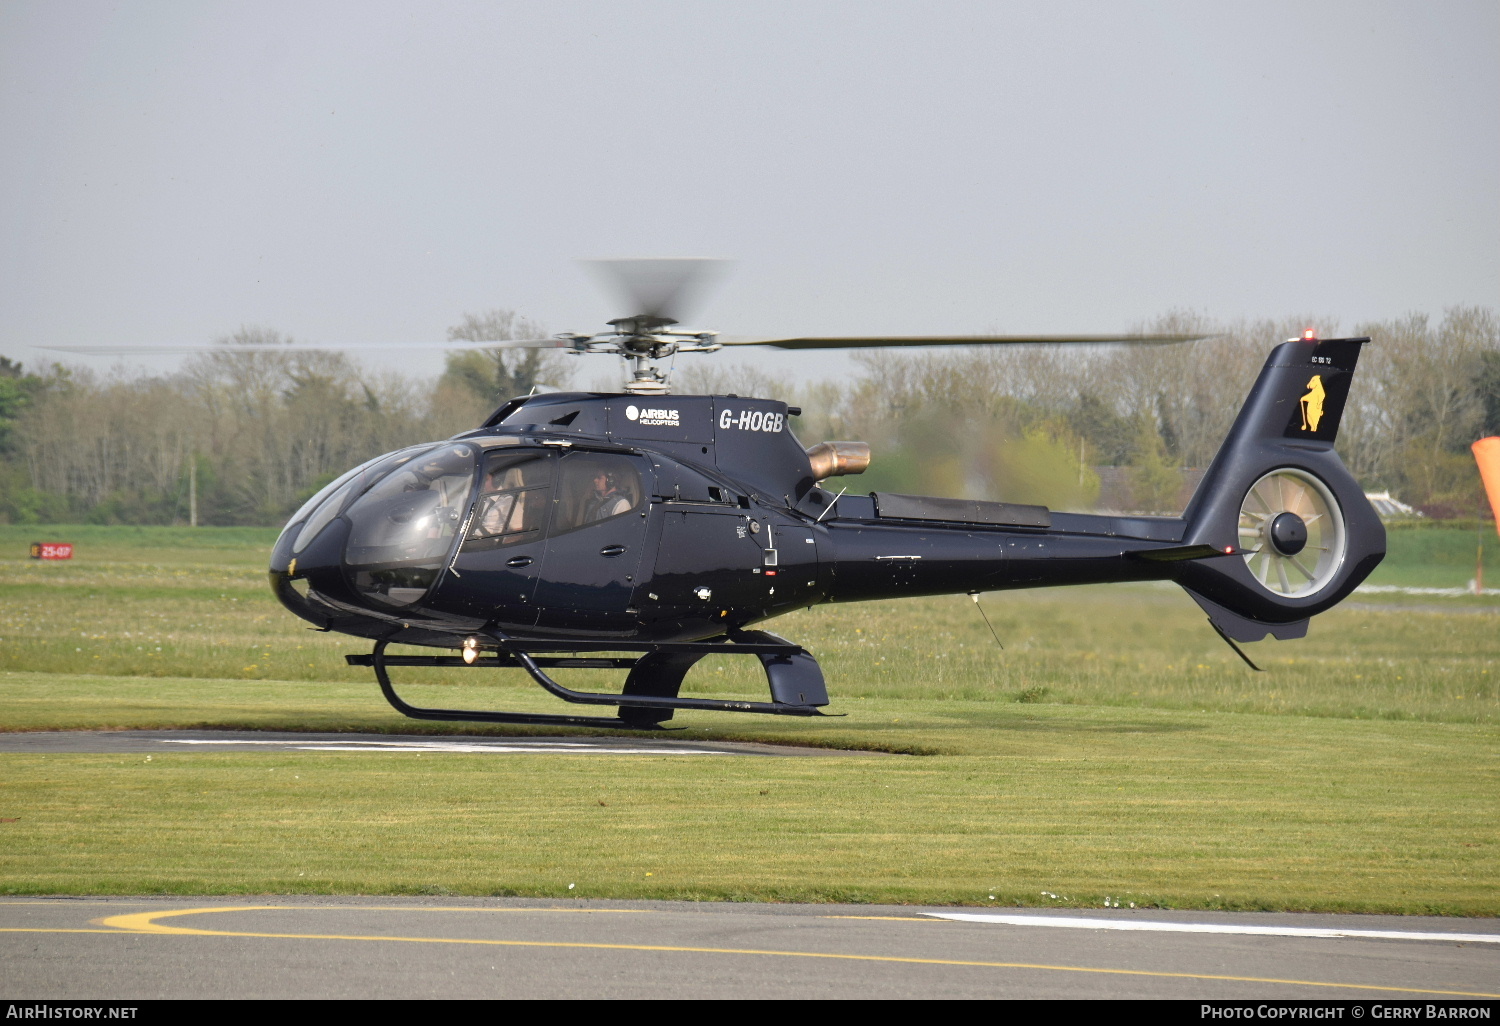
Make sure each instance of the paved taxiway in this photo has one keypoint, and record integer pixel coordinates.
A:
(160, 741)
(142, 948)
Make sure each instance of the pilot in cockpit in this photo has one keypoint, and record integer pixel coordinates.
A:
(501, 514)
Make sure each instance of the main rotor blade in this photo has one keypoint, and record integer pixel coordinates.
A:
(870, 342)
(307, 347)
(663, 290)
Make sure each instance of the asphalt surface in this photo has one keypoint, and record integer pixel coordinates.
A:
(113, 741)
(274, 947)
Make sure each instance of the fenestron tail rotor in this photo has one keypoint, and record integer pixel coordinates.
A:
(1292, 532)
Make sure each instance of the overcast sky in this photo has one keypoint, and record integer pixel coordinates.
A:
(372, 170)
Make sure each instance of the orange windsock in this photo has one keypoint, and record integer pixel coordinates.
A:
(1487, 455)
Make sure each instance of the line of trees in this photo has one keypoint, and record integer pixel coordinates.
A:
(1067, 427)
(259, 432)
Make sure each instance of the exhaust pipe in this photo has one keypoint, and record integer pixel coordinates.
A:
(835, 459)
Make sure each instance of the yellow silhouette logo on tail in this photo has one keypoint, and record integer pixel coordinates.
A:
(1312, 403)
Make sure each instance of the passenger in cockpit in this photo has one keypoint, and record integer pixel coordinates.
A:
(609, 498)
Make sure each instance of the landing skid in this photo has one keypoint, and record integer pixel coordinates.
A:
(651, 689)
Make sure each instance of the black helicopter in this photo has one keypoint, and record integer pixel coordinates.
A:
(572, 527)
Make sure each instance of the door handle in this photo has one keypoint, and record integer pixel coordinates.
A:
(519, 561)
(612, 550)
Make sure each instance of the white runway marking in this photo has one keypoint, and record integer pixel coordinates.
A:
(1393, 589)
(1258, 931)
(552, 748)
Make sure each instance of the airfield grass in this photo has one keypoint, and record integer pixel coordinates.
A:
(1114, 748)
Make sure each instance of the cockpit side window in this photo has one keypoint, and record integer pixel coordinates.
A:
(514, 500)
(595, 486)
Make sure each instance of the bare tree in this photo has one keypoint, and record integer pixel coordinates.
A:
(1420, 402)
(496, 375)
(704, 378)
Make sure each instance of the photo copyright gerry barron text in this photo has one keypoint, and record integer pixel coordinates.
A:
(1343, 1010)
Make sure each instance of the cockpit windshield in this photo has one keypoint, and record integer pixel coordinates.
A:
(414, 513)
(403, 527)
(334, 496)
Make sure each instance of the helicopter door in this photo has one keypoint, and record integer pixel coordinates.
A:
(594, 545)
(496, 571)
(708, 562)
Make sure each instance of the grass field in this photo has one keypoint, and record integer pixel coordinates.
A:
(1115, 747)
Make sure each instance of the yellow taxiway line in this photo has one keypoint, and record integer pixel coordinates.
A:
(139, 923)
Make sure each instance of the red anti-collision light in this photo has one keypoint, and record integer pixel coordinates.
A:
(1309, 335)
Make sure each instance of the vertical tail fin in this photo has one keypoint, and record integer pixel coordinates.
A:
(1280, 497)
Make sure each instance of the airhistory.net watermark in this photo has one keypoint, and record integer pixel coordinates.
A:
(41, 1010)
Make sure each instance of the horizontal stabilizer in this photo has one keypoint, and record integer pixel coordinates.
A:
(1179, 552)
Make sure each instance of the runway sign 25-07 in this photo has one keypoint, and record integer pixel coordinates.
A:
(51, 550)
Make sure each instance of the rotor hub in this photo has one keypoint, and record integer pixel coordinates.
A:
(1288, 533)
(641, 324)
